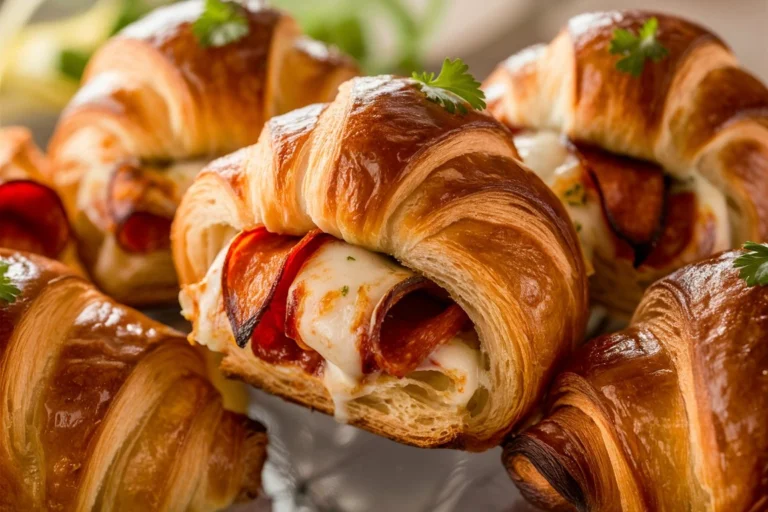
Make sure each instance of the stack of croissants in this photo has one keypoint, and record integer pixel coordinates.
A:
(426, 273)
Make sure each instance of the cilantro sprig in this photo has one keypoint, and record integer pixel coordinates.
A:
(221, 23)
(753, 265)
(8, 291)
(637, 48)
(454, 88)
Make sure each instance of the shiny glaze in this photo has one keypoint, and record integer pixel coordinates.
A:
(682, 396)
(154, 94)
(81, 358)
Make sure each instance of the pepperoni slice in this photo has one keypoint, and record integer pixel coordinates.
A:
(258, 271)
(678, 230)
(135, 196)
(409, 323)
(633, 195)
(32, 218)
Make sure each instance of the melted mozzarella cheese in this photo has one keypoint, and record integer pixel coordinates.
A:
(461, 363)
(544, 152)
(203, 305)
(547, 154)
(337, 290)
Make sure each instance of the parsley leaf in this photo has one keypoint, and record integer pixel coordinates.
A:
(344, 290)
(72, 63)
(576, 195)
(8, 291)
(753, 265)
(636, 49)
(220, 24)
(454, 88)
(351, 258)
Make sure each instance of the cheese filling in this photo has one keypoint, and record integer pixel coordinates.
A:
(331, 302)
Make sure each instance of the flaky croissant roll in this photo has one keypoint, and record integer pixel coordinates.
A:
(669, 414)
(656, 170)
(104, 409)
(387, 261)
(155, 107)
(32, 216)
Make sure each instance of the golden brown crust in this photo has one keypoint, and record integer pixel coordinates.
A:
(695, 112)
(102, 406)
(384, 168)
(671, 412)
(155, 99)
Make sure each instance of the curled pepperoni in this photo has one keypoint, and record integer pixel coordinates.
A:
(678, 230)
(409, 323)
(258, 271)
(32, 218)
(633, 195)
(141, 206)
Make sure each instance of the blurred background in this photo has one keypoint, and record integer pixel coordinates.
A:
(45, 44)
(314, 463)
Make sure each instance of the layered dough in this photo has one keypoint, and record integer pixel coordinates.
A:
(678, 157)
(105, 409)
(154, 108)
(669, 414)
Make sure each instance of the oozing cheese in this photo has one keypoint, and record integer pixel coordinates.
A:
(547, 154)
(338, 288)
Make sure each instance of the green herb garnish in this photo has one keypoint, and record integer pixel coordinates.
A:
(636, 49)
(351, 258)
(344, 290)
(576, 195)
(454, 88)
(753, 266)
(72, 63)
(220, 24)
(8, 291)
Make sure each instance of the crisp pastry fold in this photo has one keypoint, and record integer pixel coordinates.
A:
(387, 261)
(154, 108)
(32, 215)
(669, 414)
(105, 409)
(657, 171)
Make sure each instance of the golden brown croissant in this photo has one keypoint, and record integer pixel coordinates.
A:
(387, 261)
(670, 414)
(154, 108)
(32, 216)
(104, 409)
(657, 170)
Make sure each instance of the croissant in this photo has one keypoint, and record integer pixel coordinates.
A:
(154, 108)
(656, 171)
(387, 261)
(32, 216)
(104, 409)
(669, 414)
